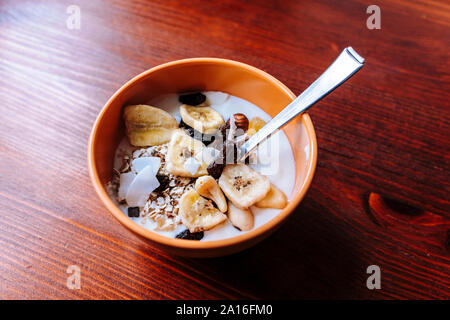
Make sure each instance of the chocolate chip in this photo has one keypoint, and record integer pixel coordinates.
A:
(192, 99)
(133, 212)
(186, 234)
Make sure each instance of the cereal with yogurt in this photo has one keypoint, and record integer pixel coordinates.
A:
(176, 173)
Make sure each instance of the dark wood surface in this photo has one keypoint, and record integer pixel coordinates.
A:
(380, 195)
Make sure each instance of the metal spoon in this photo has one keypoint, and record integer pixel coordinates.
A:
(346, 65)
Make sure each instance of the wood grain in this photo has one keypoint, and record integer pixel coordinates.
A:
(381, 191)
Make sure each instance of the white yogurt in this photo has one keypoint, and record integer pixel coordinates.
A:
(275, 160)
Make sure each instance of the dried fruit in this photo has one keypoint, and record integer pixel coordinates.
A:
(203, 119)
(133, 212)
(148, 126)
(181, 148)
(205, 138)
(187, 235)
(198, 213)
(240, 218)
(254, 125)
(189, 130)
(216, 167)
(242, 185)
(192, 99)
(164, 181)
(274, 199)
(207, 187)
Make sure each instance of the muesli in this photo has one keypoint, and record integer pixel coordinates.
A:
(178, 171)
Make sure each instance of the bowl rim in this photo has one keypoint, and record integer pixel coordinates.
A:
(189, 244)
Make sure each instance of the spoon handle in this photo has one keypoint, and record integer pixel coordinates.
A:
(346, 64)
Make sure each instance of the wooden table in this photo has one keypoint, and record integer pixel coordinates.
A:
(380, 195)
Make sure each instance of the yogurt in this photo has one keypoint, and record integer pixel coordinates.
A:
(274, 160)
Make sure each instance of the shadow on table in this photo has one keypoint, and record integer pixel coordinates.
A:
(305, 258)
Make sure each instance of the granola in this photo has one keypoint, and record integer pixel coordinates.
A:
(163, 204)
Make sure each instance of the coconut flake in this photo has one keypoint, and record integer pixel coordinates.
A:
(207, 155)
(140, 163)
(216, 97)
(192, 165)
(139, 190)
(125, 181)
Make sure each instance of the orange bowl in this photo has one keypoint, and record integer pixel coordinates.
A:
(201, 74)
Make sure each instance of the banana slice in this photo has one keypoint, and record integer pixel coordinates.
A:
(180, 158)
(240, 218)
(207, 187)
(274, 199)
(148, 126)
(197, 213)
(203, 119)
(242, 185)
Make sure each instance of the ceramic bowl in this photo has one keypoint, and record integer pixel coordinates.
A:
(201, 74)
